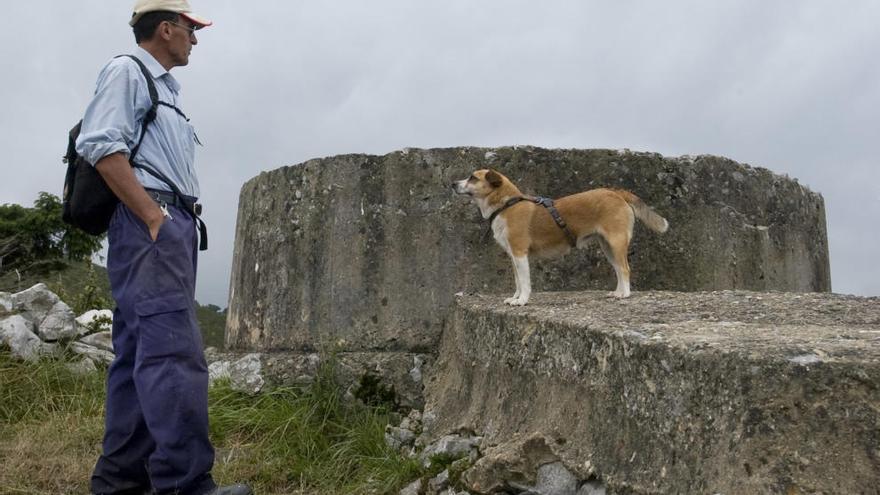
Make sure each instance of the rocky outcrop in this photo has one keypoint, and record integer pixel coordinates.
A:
(369, 250)
(392, 378)
(35, 323)
(665, 392)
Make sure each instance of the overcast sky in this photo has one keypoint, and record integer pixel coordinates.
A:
(792, 86)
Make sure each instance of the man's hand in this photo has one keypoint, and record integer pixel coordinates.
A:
(119, 176)
(154, 228)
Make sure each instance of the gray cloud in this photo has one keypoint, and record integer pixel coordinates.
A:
(790, 86)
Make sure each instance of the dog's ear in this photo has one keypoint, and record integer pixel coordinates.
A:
(493, 178)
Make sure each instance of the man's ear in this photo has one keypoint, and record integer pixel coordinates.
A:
(163, 30)
(493, 178)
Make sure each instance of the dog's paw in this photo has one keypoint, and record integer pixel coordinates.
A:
(618, 295)
(516, 301)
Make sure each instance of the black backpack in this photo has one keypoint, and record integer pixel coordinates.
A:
(87, 201)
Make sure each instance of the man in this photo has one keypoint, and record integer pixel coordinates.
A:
(156, 427)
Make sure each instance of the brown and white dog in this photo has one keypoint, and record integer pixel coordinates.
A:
(526, 228)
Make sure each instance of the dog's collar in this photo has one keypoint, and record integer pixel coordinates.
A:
(510, 202)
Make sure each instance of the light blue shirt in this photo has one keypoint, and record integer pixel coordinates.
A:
(113, 120)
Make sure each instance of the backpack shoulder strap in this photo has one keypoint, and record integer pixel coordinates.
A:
(154, 97)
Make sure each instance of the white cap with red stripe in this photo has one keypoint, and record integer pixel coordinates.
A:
(181, 7)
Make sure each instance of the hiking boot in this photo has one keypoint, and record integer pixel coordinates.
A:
(232, 490)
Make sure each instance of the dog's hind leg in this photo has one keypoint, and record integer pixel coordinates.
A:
(523, 281)
(615, 250)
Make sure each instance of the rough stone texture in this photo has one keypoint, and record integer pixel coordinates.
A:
(450, 446)
(396, 371)
(95, 354)
(17, 333)
(6, 303)
(666, 392)
(58, 324)
(246, 374)
(555, 479)
(43, 325)
(369, 250)
(101, 340)
(414, 488)
(35, 303)
(94, 320)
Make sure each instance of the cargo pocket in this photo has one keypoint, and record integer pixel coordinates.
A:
(165, 327)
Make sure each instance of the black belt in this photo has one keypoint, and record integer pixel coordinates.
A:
(187, 203)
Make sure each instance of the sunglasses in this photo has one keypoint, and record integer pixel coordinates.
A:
(190, 29)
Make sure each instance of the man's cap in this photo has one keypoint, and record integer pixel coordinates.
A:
(181, 7)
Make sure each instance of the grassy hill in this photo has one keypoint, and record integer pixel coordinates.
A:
(85, 286)
(287, 441)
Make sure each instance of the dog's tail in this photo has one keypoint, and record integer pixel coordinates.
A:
(643, 212)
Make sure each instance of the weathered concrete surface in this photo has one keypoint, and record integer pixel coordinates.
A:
(363, 374)
(708, 392)
(371, 249)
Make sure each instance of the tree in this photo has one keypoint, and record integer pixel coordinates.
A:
(33, 237)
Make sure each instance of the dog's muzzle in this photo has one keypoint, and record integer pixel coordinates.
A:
(458, 187)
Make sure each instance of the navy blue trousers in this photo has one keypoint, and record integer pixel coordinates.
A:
(156, 425)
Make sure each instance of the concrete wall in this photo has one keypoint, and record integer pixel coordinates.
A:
(366, 252)
(665, 392)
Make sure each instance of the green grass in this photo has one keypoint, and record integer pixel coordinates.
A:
(285, 441)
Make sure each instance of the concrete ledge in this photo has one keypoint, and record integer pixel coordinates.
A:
(711, 392)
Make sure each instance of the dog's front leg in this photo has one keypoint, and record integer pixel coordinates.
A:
(516, 294)
(523, 282)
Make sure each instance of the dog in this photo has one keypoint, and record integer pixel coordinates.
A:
(525, 226)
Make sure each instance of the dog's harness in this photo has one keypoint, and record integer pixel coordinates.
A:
(546, 203)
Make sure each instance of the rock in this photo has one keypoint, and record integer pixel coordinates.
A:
(94, 320)
(35, 303)
(412, 422)
(51, 317)
(592, 487)
(59, 324)
(84, 366)
(95, 354)
(413, 488)
(451, 447)
(555, 479)
(513, 464)
(101, 340)
(245, 374)
(416, 372)
(398, 437)
(6, 303)
(218, 370)
(17, 332)
(439, 483)
(212, 354)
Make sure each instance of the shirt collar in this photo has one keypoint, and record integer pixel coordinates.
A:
(156, 69)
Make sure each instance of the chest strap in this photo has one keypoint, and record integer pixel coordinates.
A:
(546, 203)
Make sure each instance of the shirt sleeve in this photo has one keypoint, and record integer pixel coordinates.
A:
(111, 121)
